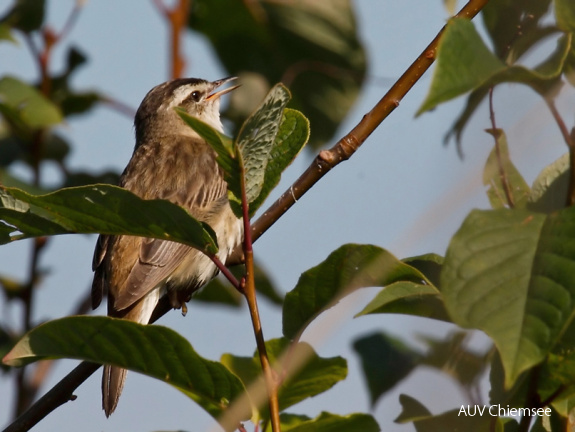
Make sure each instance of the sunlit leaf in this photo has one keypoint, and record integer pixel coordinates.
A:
(153, 350)
(101, 209)
(549, 190)
(509, 273)
(463, 64)
(345, 270)
(505, 182)
(327, 422)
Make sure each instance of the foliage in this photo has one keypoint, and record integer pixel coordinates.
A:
(508, 271)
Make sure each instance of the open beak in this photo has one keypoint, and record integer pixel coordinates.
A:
(219, 83)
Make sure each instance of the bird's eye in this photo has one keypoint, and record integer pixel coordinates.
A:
(196, 96)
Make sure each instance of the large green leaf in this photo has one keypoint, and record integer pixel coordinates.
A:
(463, 64)
(317, 375)
(99, 209)
(312, 46)
(385, 361)
(505, 182)
(345, 270)
(153, 350)
(510, 273)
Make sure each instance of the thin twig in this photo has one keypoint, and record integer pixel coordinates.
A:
(496, 136)
(177, 18)
(250, 294)
(570, 141)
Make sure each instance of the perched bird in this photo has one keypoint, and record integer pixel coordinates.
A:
(170, 161)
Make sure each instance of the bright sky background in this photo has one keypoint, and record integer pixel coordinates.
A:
(404, 191)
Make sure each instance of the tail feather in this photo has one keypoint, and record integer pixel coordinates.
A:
(113, 381)
(114, 377)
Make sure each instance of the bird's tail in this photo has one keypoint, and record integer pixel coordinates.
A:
(114, 377)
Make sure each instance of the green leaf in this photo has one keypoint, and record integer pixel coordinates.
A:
(385, 361)
(291, 137)
(313, 47)
(408, 298)
(452, 356)
(503, 18)
(153, 350)
(26, 15)
(345, 270)
(549, 190)
(327, 422)
(565, 15)
(317, 375)
(510, 274)
(31, 107)
(257, 137)
(101, 209)
(5, 33)
(499, 167)
(463, 64)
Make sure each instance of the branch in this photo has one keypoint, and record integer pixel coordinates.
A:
(176, 18)
(349, 144)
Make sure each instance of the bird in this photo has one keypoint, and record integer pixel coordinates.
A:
(170, 161)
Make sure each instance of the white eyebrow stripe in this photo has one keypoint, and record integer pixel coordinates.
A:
(180, 94)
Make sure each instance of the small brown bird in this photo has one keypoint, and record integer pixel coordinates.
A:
(170, 161)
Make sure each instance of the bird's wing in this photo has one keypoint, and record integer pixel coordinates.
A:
(157, 259)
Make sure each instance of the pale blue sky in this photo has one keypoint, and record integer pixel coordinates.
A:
(403, 191)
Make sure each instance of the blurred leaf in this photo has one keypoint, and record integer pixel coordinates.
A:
(317, 375)
(454, 420)
(509, 273)
(514, 396)
(412, 410)
(310, 46)
(514, 25)
(72, 102)
(549, 190)
(345, 270)
(11, 287)
(5, 33)
(8, 180)
(6, 344)
(31, 107)
(498, 164)
(219, 291)
(153, 350)
(408, 298)
(327, 422)
(292, 136)
(385, 361)
(80, 178)
(565, 15)
(463, 64)
(25, 15)
(452, 356)
(101, 209)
